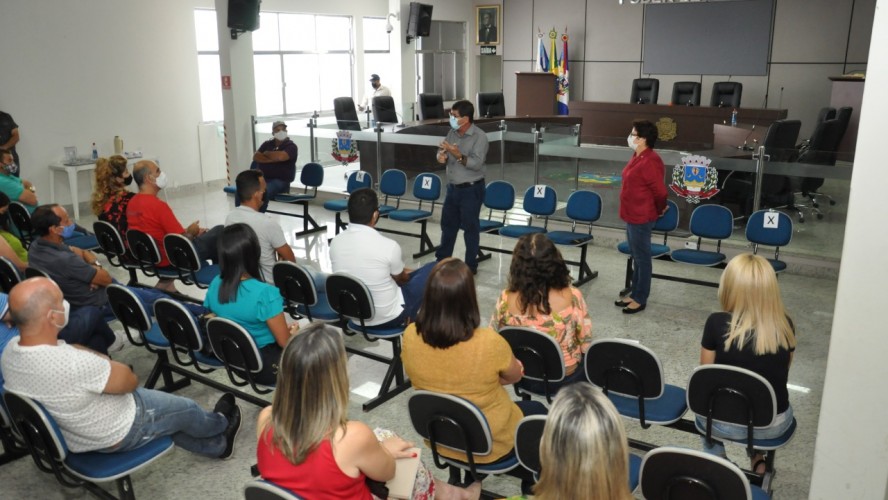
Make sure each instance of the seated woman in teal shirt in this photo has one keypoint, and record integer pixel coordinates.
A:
(239, 294)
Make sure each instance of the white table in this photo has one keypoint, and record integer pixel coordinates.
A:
(72, 171)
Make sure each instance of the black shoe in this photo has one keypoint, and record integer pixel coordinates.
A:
(233, 414)
(474, 271)
(626, 310)
(225, 405)
(622, 302)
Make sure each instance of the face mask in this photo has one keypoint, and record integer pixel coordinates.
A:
(631, 141)
(454, 123)
(280, 135)
(161, 180)
(67, 231)
(127, 180)
(66, 311)
(12, 168)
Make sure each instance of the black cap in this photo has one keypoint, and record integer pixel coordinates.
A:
(374, 77)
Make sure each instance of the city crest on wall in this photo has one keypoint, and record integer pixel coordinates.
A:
(694, 179)
(345, 150)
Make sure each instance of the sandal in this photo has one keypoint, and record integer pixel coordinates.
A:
(760, 463)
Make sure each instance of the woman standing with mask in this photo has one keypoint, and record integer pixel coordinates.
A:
(111, 197)
(642, 201)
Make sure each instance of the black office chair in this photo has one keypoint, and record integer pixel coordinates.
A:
(645, 91)
(9, 275)
(686, 93)
(346, 114)
(431, 106)
(22, 220)
(820, 150)
(843, 115)
(384, 109)
(489, 104)
(542, 358)
(113, 246)
(726, 94)
(670, 472)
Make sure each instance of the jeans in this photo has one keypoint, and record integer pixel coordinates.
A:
(87, 327)
(462, 209)
(161, 414)
(148, 296)
(206, 244)
(412, 291)
(639, 239)
(273, 187)
(739, 432)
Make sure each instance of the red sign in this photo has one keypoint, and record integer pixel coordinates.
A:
(226, 82)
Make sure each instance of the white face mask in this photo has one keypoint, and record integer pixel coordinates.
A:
(161, 180)
(454, 122)
(280, 135)
(631, 141)
(66, 311)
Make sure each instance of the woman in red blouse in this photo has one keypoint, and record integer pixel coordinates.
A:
(642, 201)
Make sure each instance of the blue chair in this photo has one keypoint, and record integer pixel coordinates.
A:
(301, 298)
(665, 224)
(452, 422)
(426, 189)
(392, 184)
(771, 228)
(237, 351)
(540, 201)
(146, 254)
(260, 489)
(528, 435)
(541, 356)
(46, 443)
(631, 376)
(311, 177)
(185, 261)
(356, 180)
(583, 207)
(712, 222)
(352, 301)
(498, 196)
(111, 242)
(738, 396)
(672, 472)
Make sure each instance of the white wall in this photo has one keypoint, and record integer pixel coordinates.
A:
(851, 453)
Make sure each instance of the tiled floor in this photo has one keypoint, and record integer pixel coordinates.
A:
(672, 327)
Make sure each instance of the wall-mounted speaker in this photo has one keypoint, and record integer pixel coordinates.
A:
(420, 21)
(243, 16)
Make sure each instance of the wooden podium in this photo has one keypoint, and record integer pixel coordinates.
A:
(535, 94)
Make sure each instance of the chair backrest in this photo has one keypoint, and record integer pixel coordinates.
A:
(109, 239)
(357, 180)
(624, 367)
(393, 183)
(384, 109)
(781, 138)
(731, 394)
(540, 353)
(686, 93)
(669, 221)
(645, 91)
(260, 489)
(233, 345)
(431, 106)
(179, 327)
(346, 114)
(182, 255)
(9, 275)
(490, 104)
(540, 200)
(33, 272)
(499, 195)
(39, 430)
(843, 115)
(144, 249)
(670, 472)
(295, 286)
(128, 309)
(427, 187)
(822, 145)
(528, 435)
(349, 297)
(22, 220)
(312, 175)
(712, 221)
(584, 206)
(450, 421)
(825, 113)
(769, 227)
(726, 94)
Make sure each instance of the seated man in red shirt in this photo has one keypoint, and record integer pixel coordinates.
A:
(149, 214)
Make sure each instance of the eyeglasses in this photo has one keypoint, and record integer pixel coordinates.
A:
(633, 135)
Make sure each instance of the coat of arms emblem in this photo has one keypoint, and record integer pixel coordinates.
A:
(345, 150)
(694, 180)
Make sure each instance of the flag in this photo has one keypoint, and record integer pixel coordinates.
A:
(553, 62)
(563, 93)
(542, 57)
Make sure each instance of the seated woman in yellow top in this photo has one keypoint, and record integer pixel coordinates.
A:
(540, 296)
(447, 351)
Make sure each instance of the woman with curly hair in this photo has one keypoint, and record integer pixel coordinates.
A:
(540, 296)
(111, 196)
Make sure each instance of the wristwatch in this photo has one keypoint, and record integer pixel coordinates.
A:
(462, 159)
(97, 264)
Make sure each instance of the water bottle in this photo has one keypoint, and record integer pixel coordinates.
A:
(95, 152)
(734, 118)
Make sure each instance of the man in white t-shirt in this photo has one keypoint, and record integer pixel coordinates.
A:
(96, 402)
(378, 90)
(376, 260)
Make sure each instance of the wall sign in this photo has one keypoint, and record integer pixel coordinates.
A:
(488, 50)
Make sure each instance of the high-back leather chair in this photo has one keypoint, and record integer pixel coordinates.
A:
(726, 94)
(490, 104)
(431, 106)
(384, 109)
(686, 94)
(645, 91)
(346, 115)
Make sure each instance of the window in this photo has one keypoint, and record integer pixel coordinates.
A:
(377, 50)
(208, 71)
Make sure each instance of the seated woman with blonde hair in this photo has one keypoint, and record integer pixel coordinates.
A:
(111, 196)
(540, 296)
(308, 445)
(755, 333)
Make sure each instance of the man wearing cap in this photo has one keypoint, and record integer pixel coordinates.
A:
(378, 90)
(276, 159)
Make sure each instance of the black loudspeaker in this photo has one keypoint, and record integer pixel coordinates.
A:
(420, 22)
(243, 15)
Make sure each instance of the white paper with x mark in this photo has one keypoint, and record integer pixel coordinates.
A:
(539, 191)
(771, 220)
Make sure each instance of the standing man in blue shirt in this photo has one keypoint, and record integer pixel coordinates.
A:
(464, 150)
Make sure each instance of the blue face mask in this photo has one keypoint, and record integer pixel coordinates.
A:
(67, 231)
(453, 123)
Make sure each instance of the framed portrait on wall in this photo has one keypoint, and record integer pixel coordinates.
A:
(487, 19)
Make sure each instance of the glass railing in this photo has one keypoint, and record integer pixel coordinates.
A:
(810, 188)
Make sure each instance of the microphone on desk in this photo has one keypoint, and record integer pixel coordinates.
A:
(780, 102)
(721, 104)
